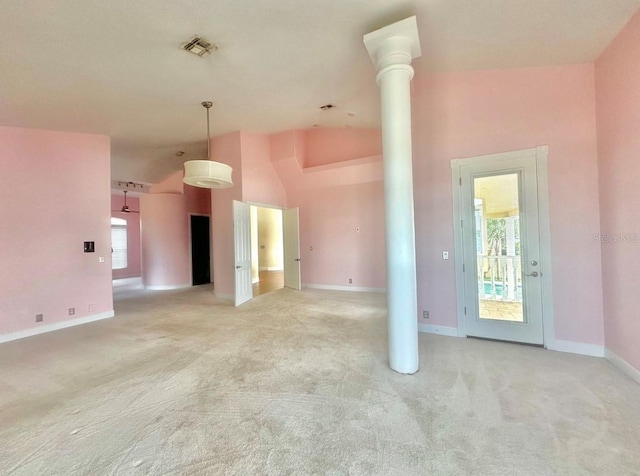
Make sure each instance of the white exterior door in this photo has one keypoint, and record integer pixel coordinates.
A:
(242, 252)
(291, 239)
(499, 234)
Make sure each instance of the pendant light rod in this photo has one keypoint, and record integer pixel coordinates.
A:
(207, 105)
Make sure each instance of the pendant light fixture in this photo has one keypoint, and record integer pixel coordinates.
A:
(206, 173)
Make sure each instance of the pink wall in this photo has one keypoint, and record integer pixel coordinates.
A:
(197, 200)
(172, 184)
(475, 113)
(288, 145)
(226, 149)
(55, 196)
(328, 219)
(165, 241)
(282, 145)
(618, 106)
(260, 182)
(288, 151)
(331, 145)
(333, 200)
(133, 235)
(166, 230)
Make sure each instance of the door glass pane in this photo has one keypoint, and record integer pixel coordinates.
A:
(499, 258)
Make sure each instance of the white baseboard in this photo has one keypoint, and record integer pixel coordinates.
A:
(624, 366)
(593, 350)
(434, 329)
(55, 326)
(169, 287)
(330, 287)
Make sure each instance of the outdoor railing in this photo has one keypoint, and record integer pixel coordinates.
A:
(500, 278)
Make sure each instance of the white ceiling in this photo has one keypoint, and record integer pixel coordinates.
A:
(114, 67)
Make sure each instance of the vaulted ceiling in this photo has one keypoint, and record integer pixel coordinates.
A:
(115, 67)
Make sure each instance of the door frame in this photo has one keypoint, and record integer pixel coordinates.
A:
(190, 214)
(259, 205)
(272, 207)
(541, 155)
(282, 209)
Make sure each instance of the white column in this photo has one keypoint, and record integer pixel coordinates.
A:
(391, 49)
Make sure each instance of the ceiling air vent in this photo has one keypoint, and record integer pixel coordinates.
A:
(199, 46)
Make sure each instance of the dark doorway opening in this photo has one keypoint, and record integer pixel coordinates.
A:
(200, 250)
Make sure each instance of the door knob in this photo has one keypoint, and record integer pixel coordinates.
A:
(238, 267)
(535, 274)
(297, 259)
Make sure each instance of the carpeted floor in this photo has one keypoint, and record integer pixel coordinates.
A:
(297, 383)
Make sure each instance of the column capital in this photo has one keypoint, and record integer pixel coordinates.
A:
(397, 43)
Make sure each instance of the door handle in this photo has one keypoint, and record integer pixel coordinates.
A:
(238, 267)
(535, 274)
(297, 259)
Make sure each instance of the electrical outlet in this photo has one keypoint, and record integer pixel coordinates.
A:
(350, 281)
(445, 255)
(39, 317)
(425, 314)
(72, 311)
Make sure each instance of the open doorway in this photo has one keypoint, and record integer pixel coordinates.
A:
(284, 235)
(126, 251)
(200, 250)
(267, 250)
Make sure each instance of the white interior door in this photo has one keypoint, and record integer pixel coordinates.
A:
(499, 231)
(242, 251)
(291, 241)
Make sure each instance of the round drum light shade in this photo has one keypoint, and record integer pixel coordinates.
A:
(207, 174)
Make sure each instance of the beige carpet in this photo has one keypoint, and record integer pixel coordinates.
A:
(297, 383)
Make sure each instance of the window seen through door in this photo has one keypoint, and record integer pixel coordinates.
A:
(118, 243)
